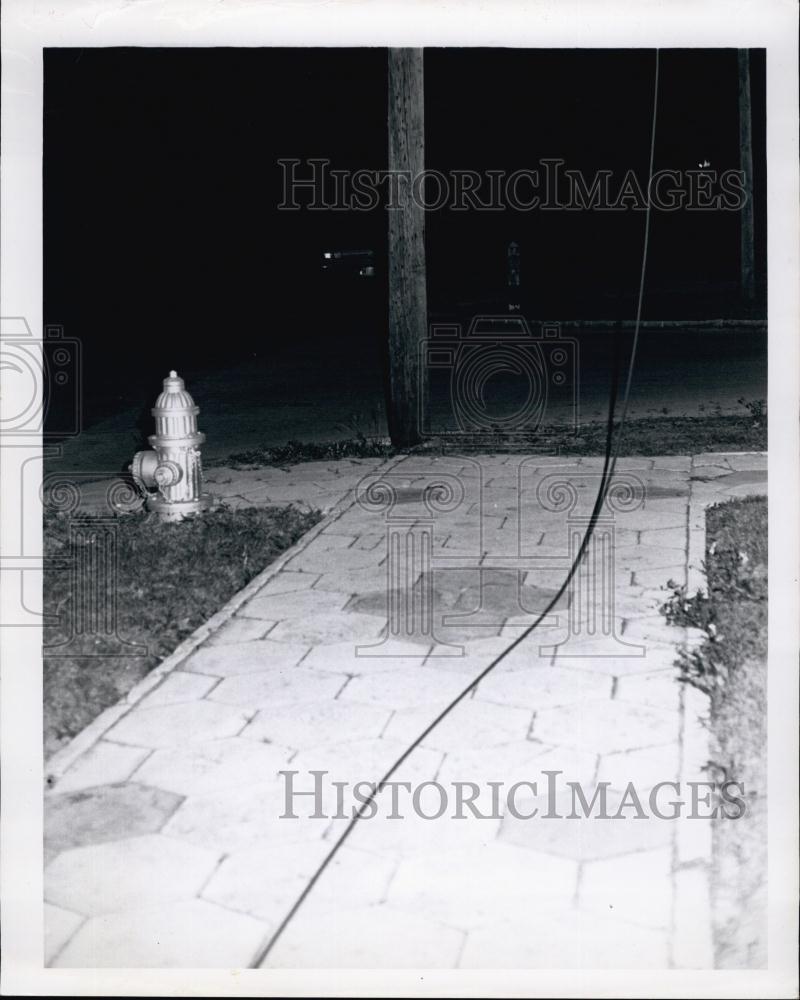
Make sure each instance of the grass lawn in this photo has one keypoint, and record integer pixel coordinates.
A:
(169, 579)
(731, 667)
(645, 436)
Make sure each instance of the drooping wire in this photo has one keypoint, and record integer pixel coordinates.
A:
(606, 476)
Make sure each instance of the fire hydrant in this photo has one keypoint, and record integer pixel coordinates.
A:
(171, 476)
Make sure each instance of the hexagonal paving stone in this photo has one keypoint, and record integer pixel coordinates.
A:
(669, 515)
(542, 687)
(469, 657)
(657, 657)
(365, 761)
(107, 812)
(644, 768)
(661, 689)
(673, 538)
(652, 628)
(616, 885)
(660, 577)
(648, 556)
(352, 658)
(59, 926)
(278, 687)
(404, 688)
(127, 873)
(313, 561)
(287, 581)
(471, 724)
(240, 630)
(325, 629)
(682, 462)
(201, 768)
(265, 881)
(397, 831)
(327, 541)
(561, 826)
(103, 764)
(597, 647)
(245, 658)
(370, 540)
(295, 604)
(171, 725)
(307, 725)
(476, 886)
(353, 581)
(605, 726)
(365, 937)
(565, 939)
(522, 760)
(187, 934)
(711, 458)
(178, 687)
(749, 461)
(237, 818)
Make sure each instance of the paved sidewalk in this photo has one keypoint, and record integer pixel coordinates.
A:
(164, 842)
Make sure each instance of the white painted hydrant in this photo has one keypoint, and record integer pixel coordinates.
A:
(171, 476)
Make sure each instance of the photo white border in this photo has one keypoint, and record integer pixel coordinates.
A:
(28, 26)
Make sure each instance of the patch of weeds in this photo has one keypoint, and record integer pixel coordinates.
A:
(730, 666)
(663, 435)
(757, 408)
(734, 612)
(170, 578)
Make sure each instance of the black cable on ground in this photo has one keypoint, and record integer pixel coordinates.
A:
(609, 465)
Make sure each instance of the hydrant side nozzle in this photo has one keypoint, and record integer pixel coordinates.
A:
(143, 467)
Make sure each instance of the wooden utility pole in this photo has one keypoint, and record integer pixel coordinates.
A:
(747, 255)
(408, 307)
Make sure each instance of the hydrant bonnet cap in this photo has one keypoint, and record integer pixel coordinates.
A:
(174, 396)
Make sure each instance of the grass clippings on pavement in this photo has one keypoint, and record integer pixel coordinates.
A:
(166, 580)
(645, 436)
(294, 452)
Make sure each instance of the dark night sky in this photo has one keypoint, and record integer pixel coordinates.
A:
(161, 186)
